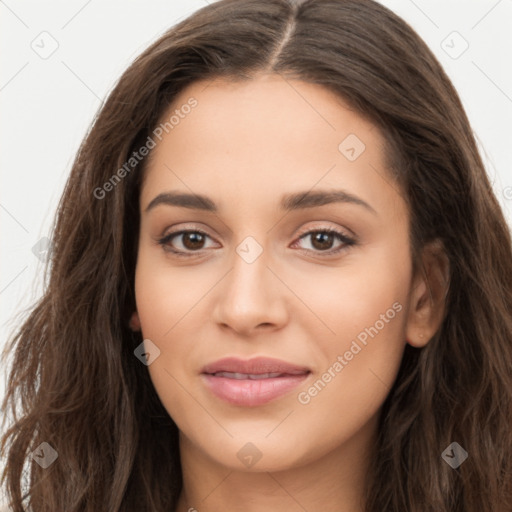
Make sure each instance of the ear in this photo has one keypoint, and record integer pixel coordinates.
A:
(428, 295)
(134, 322)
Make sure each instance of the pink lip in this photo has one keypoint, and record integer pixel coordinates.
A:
(257, 365)
(252, 392)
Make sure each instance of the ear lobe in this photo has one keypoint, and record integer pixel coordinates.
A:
(428, 296)
(134, 322)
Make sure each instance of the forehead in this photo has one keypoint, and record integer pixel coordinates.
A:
(258, 139)
(258, 110)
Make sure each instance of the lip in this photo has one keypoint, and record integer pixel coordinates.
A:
(256, 366)
(250, 392)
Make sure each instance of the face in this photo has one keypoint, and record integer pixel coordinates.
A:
(257, 269)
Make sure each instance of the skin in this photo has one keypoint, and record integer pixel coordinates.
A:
(245, 145)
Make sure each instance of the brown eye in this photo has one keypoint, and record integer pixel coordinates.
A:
(322, 240)
(192, 240)
(184, 241)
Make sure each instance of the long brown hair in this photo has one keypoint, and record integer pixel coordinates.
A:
(75, 382)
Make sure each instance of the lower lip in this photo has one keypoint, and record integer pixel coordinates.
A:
(252, 392)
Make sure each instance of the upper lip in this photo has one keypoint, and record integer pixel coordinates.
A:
(255, 366)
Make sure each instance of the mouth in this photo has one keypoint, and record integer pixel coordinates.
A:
(252, 376)
(253, 382)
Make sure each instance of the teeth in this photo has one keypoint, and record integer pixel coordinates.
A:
(232, 375)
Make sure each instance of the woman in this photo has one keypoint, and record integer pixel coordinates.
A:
(280, 281)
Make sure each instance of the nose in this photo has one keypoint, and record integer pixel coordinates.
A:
(251, 297)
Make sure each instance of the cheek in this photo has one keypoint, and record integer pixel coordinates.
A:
(366, 356)
(358, 365)
(163, 294)
(351, 298)
(169, 303)
(364, 307)
(160, 305)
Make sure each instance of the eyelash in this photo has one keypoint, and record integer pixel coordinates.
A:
(347, 241)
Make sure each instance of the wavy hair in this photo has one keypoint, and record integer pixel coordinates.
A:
(74, 381)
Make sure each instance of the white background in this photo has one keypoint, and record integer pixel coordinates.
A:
(48, 103)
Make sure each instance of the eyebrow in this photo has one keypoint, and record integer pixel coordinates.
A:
(289, 202)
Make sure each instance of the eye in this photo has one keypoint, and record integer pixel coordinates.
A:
(191, 240)
(322, 240)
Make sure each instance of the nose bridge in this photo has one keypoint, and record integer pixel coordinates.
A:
(250, 294)
(249, 268)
